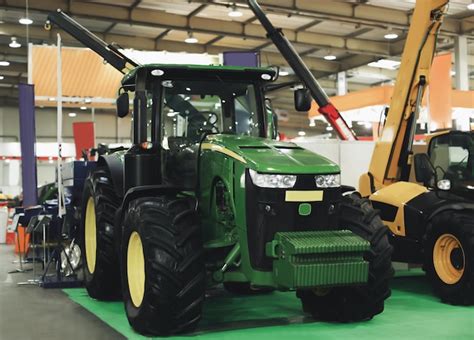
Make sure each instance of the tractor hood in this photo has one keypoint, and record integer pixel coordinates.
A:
(269, 156)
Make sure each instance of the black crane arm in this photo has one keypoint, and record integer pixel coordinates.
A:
(326, 108)
(109, 52)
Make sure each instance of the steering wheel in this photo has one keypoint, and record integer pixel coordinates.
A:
(211, 118)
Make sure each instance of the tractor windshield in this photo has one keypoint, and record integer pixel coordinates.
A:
(453, 157)
(192, 108)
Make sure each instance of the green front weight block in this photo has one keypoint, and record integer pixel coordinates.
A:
(318, 259)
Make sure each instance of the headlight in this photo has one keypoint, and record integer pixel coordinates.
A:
(272, 181)
(328, 181)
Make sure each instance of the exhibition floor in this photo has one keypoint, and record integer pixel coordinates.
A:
(411, 313)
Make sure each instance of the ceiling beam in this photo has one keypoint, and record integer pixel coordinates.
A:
(151, 44)
(161, 19)
(346, 12)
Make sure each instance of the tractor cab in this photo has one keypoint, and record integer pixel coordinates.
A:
(449, 164)
(177, 106)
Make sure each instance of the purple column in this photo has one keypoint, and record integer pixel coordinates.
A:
(27, 139)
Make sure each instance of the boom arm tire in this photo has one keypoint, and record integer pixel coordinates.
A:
(449, 256)
(172, 279)
(96, 237)
(348, 304)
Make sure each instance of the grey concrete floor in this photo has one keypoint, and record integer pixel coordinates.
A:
(31, 312)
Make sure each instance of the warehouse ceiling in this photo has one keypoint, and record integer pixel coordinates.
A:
(351, 31)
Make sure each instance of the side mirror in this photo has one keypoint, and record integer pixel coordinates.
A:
(424, 170)
(303, 100)
(123, 105)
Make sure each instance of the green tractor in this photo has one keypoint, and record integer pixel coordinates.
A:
(207, 196)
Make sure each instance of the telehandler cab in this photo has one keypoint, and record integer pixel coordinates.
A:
(205, 196)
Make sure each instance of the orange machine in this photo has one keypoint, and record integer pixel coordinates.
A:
(431, 223)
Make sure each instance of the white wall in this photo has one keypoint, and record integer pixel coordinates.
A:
(108, 128)
(352, 157)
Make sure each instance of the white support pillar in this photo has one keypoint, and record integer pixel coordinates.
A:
(341, 83)
(461, 63)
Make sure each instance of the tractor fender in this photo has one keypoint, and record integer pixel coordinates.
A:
(421, 210)
(134, 193)
(114, 162)
(457, 206)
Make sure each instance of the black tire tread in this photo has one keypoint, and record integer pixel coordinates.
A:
(461, 225)
(348, 304)
(105, 282)
(175, 280)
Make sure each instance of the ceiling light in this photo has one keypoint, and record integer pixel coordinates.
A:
(301, 133)
(283, 73)
(72, 114)
(25, 21)
(14, 43)
(4, 63)
(83, 107)
(191, 39)
(385, 63)
(471, 6)
(2, 77)
(391, 36)
(330, 57)
(329, 128)
(234, 12)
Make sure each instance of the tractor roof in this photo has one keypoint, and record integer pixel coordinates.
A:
(201, 72)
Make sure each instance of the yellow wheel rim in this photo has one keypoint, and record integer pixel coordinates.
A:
(450, 271)
(136, 269)
(90, 235)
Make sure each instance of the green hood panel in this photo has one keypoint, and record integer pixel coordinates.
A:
(269, 156)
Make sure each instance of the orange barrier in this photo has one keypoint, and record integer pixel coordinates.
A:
(24, 242)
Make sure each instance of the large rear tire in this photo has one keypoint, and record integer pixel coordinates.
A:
(347, 304)
(449, 257)
(163, 273)
(96, 237)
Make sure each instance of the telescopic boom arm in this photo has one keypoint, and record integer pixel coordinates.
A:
(392, 156)
(326, 108)
(109, 52)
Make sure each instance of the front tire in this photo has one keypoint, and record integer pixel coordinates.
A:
(347, 304)
(101, 266)
(163, 273)
(449, 257)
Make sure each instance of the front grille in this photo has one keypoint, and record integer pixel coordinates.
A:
(268, 213)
